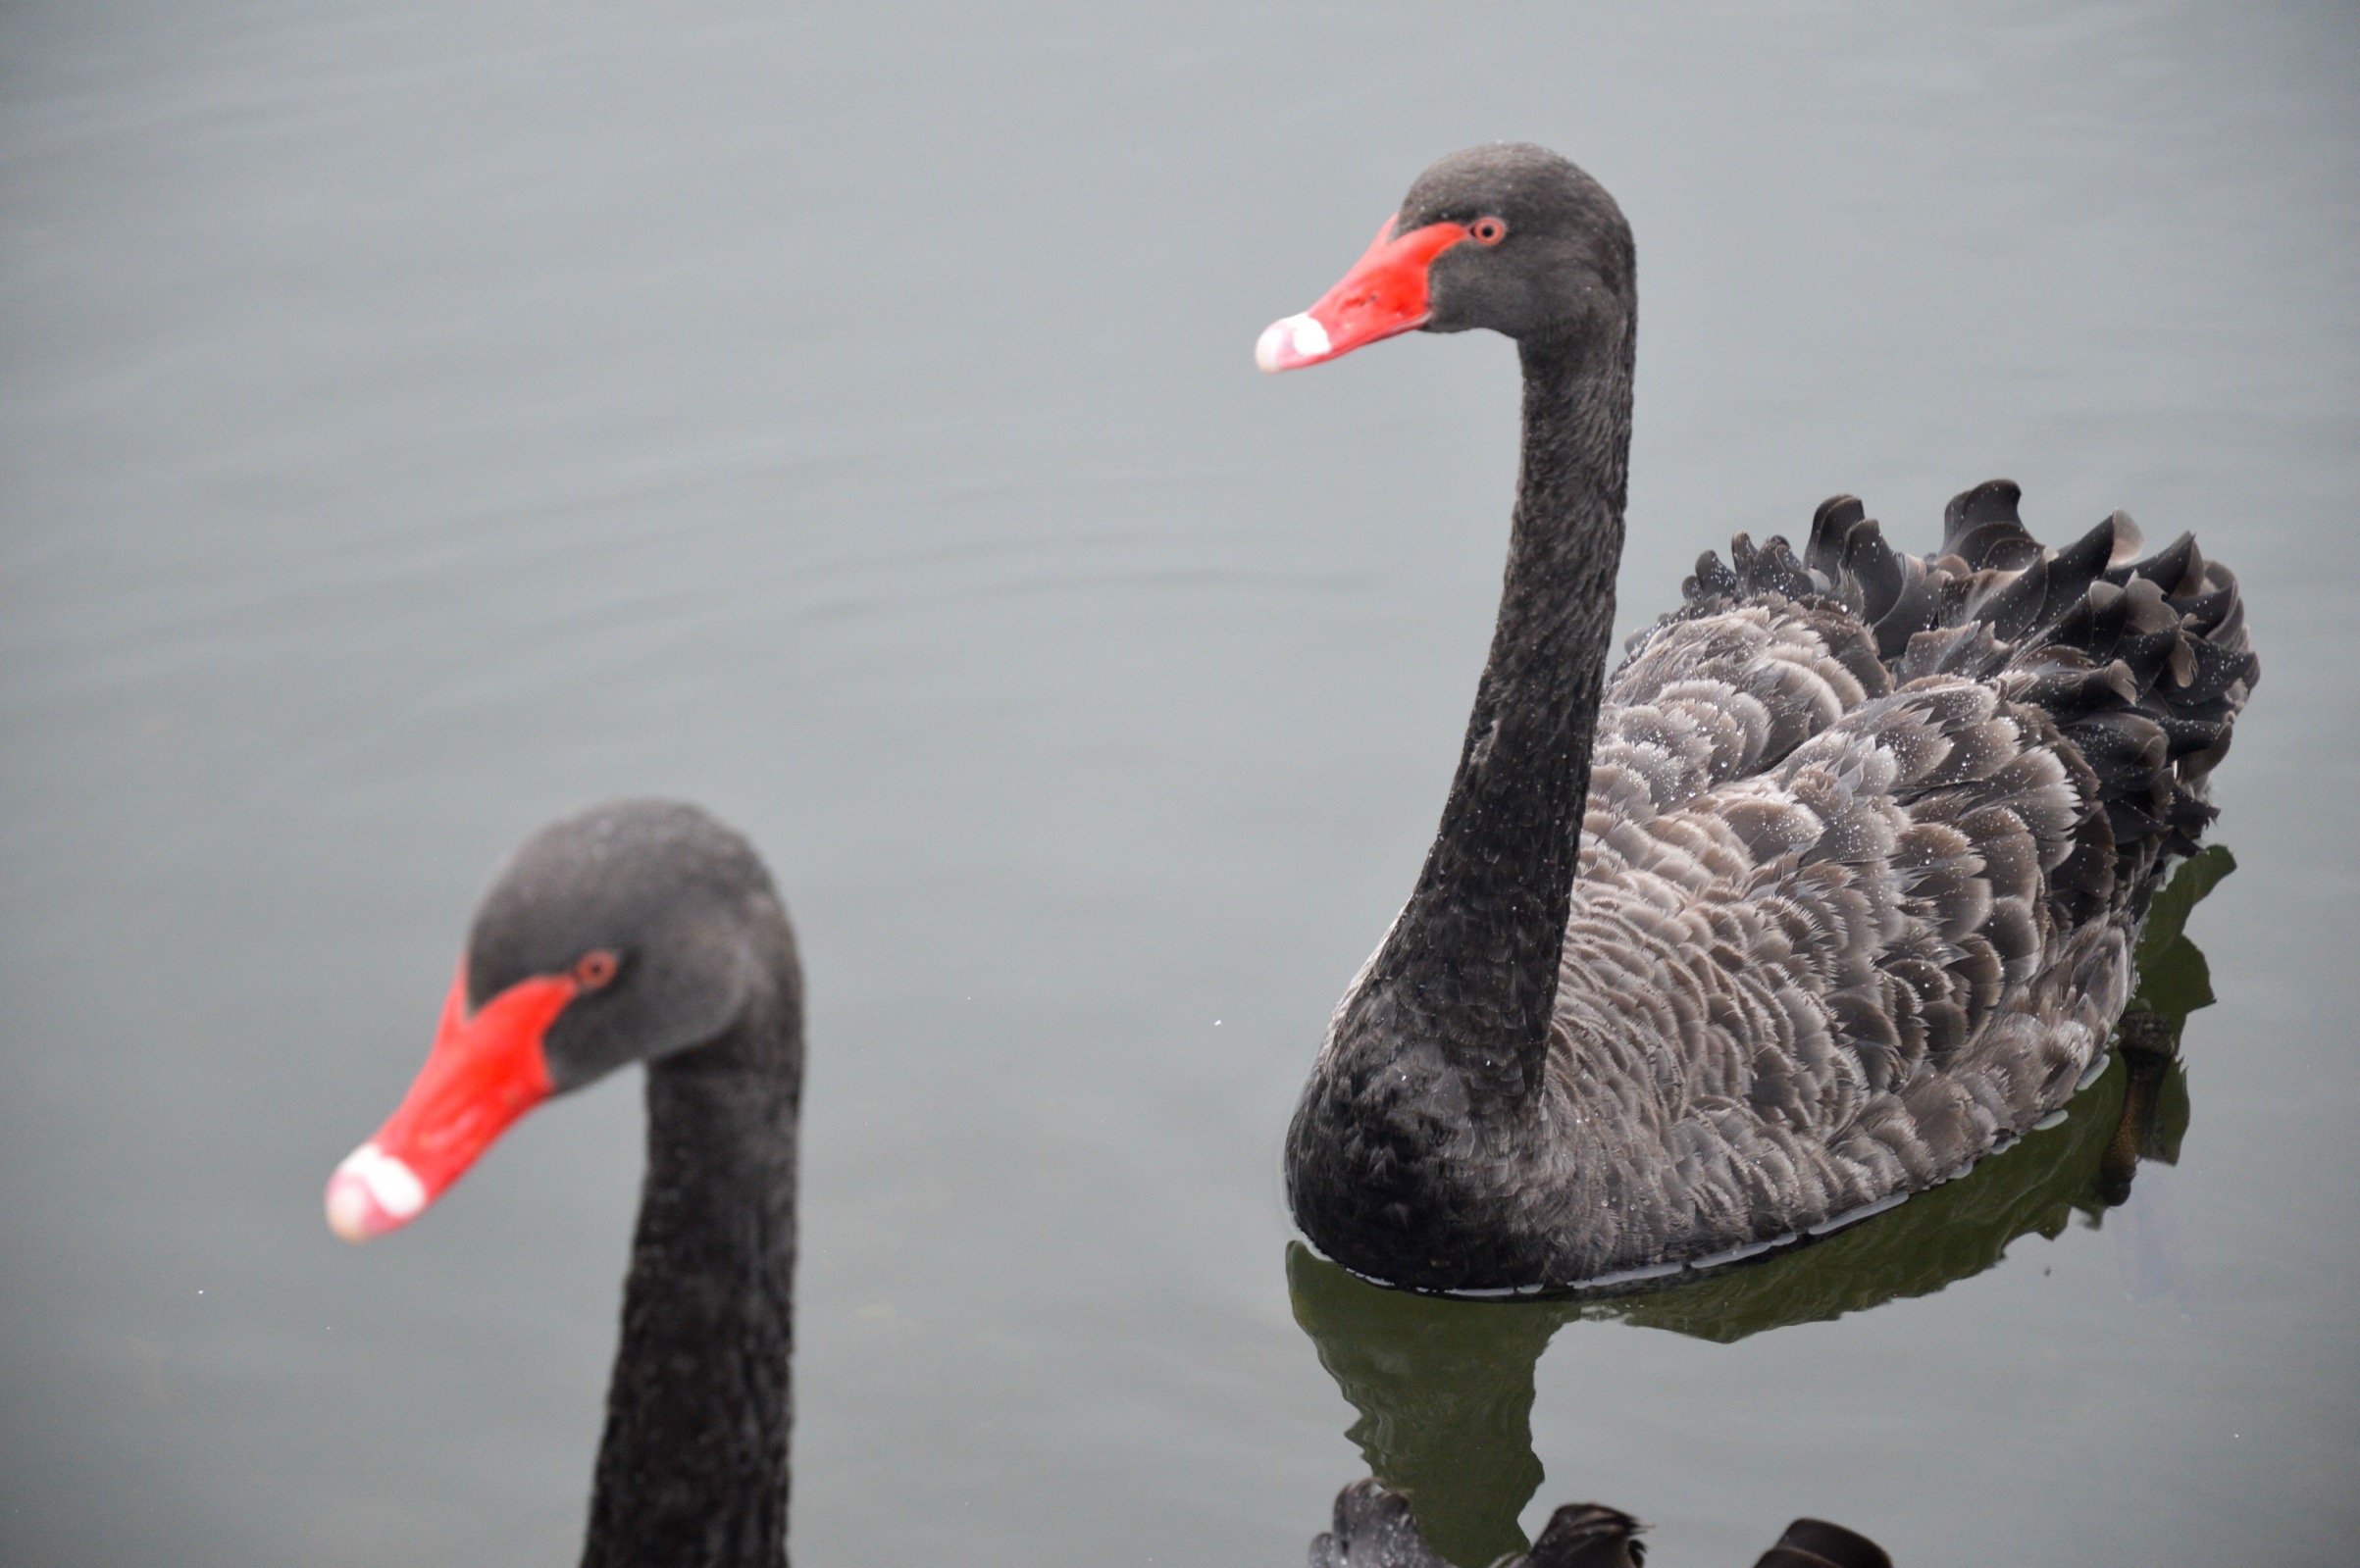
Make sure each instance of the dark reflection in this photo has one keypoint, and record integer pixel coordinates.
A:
(1443, 1388)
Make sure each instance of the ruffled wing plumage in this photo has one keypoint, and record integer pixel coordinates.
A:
(1869, 839)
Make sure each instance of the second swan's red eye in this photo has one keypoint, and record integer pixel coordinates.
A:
(1488, 231)
(595, 969)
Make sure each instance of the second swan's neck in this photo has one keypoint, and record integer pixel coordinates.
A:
(1470, 967)
(693, 1465)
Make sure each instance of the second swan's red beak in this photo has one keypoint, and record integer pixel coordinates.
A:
(1384, 294)
(484, 1072)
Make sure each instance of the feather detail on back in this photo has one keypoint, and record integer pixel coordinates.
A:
(1869, 839)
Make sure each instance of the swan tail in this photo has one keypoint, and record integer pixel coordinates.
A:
(2141, 662)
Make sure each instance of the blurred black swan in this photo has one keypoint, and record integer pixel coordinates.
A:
(1828, 893)
(642, 930)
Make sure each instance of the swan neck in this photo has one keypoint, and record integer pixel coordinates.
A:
(694, 1463)
(1472, 964)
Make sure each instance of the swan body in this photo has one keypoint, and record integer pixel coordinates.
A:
(642, 930)
(1828, 892)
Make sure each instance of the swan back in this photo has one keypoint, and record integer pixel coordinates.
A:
(1867, 842)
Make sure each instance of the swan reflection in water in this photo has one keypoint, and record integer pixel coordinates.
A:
(1444, 1387)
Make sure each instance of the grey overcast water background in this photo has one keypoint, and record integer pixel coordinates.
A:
(419, 419)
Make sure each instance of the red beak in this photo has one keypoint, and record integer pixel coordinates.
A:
(1384, 294)
(483, 1074)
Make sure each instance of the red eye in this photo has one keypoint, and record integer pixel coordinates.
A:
(1488, 231)
(595, 969)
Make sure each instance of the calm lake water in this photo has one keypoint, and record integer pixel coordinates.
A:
(419, 419)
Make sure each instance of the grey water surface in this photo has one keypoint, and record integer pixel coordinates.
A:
(417, 418)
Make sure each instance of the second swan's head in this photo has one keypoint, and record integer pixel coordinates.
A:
(635, 930)
(1509, 237)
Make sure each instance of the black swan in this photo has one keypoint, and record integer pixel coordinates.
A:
(1828, 893)
(642, 930)
(1374, 1529)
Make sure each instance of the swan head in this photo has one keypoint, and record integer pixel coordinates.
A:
(630, 932)
(1507, 237)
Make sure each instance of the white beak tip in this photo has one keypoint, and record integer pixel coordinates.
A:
(372, 1193)
(1291, 342)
